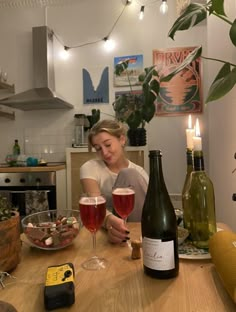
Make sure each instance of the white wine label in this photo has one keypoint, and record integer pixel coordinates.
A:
(158, 255)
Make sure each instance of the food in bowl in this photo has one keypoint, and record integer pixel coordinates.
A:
(52, 229)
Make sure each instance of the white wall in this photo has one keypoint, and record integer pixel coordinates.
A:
(77, 24)
(222, 144)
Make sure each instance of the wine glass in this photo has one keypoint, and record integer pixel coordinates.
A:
(93, 212)
(123, 201)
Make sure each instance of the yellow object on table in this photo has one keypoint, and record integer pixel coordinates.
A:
(222, 248)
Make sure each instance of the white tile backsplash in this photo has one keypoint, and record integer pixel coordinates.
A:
(49, 144)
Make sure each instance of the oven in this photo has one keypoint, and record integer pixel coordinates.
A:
(29, 191)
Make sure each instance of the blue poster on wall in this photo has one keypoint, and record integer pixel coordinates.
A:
(94, 95)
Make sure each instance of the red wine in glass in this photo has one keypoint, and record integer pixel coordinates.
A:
(123, 200)
(93, 212)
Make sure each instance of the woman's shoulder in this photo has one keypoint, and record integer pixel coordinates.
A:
(93, 162)
(133, 165)
(140, 169)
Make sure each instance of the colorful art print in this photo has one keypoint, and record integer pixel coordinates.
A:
(134, 69)
(183, 93)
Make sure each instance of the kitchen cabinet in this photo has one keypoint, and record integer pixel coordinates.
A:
(75, 157)
(5, 91)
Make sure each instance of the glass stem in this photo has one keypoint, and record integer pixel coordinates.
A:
(94, 244)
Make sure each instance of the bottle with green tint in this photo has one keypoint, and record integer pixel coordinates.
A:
(186, 208)
(200, 200)
(159, 226)
(16, 148)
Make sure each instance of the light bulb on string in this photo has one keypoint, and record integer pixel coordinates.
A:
(141, 13)
(164, 7)
(109, 44)
(64, 54)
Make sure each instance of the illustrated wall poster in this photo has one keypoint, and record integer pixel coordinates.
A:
(135, 68)
(95, 86)
(183, 93)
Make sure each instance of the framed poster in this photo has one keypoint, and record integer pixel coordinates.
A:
(134, 69)
(183, 93)
(95, 86)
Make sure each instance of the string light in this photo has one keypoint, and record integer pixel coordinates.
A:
(141, 13)
(109, 44)
(164, 7)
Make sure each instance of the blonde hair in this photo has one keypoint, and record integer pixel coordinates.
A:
(113, 127)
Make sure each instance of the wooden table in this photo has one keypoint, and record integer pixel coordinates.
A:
(122, 286)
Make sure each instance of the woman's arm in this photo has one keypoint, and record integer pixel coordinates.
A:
(90, 186)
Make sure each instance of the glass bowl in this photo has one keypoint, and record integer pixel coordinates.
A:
(52, 229)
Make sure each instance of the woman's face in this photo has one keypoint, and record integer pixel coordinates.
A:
(109, 147)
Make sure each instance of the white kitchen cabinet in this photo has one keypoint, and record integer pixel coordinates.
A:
(75, 157)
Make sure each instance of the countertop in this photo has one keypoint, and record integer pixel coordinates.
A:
(49, 167)
(122, 286)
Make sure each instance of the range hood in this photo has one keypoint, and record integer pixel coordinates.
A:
(43, 95)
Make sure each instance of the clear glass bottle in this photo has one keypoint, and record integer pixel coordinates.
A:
(186, 210)
(159, 226)
(199, 199)
(16, 148)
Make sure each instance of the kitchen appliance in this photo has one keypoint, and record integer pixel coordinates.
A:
(43, 95)
(17, 186)
(81, 127)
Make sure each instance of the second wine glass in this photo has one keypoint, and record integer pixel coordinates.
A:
(123, 201)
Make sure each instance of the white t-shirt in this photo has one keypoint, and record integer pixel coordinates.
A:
(96, 169)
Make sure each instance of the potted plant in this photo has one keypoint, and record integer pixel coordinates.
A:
(136, 109)
(10, 243)
(194, 14)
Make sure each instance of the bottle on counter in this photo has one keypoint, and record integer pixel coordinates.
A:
(159, 226)
(186, 211)
(199, 199)
(16, 148)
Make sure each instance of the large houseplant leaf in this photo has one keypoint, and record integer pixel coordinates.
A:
(223, 83)
(193, 15)
(232, 33)
(195, 54)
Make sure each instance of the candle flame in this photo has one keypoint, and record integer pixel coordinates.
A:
(189, 121)
(197, 129)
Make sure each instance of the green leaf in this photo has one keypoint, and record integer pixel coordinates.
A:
(223, 83)
(193, 15)
(134, 120)
(195, 54)
(217, 6)
(232, 33)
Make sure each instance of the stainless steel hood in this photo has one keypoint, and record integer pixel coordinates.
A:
(43, 95)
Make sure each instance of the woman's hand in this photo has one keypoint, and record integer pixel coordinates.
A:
(116, 229)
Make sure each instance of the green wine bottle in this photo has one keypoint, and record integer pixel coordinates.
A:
(16, 148)
(200, 199)
(186, 210)
(159, 226)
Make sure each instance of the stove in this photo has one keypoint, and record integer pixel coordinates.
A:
(39, 187)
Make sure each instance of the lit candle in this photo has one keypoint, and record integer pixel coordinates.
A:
(197, 140)
(189, 133)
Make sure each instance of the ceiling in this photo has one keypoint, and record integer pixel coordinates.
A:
(34, 3)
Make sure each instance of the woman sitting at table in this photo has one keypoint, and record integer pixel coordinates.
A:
(112, 168)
